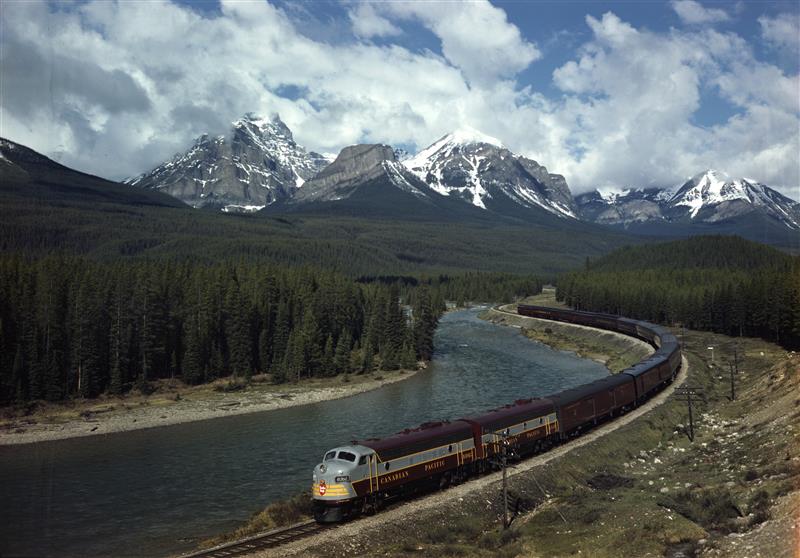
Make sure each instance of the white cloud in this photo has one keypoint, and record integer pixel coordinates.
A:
(116, 88)
(782, 31)
(368, 23)
(476, 37)
(633, 95)
(695, 13)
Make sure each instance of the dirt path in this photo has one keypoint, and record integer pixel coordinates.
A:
(409, 511)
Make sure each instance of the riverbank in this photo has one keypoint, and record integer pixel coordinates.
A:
(176, 403)
(613, 350)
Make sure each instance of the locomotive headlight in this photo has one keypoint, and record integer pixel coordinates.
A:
(343, 478)
(322, 468)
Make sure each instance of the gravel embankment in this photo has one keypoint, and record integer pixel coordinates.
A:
(214, 405)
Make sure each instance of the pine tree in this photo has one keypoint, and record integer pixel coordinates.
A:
(238, 335)
(118, 346)
(341, 357)
(18, 374)
(391, 343)
(264, 350)
(311, 343)
(327, 358)
(425, 322)
(192, 359)
(368, 358)
(280, 340)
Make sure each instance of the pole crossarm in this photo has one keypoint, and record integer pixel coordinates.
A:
(693, 395)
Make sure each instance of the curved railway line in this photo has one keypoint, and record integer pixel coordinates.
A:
(302, 533)
(261, 541)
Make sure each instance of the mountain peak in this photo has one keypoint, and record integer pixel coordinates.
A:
(477, 169)
(710, 176)
(468, 135)
(266, 126)
(355, 166)
(711, 196)
(255, 165)
(260, 119)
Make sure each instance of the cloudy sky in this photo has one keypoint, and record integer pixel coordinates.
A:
(611, 94)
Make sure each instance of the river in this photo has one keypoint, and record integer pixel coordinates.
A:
(157, 491)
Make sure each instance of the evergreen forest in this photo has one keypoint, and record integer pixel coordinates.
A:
(717, 283)
(75, 327)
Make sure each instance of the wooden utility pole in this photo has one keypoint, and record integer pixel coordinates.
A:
(692, 395)
(504, 461)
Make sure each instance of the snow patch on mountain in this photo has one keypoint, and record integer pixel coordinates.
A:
(396, 171)
(257, 164)
(444, 146)
(476, 168)
(708, 197)
(712, 188)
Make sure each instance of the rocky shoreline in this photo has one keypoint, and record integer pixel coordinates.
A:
(117, 416)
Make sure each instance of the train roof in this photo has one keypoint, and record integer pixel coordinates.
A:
(610, 382)
(425, 436)
(567, 311)
(573, 394)
(669, 344)
(641, 367)
(508, 415)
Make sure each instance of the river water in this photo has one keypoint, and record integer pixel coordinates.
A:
(156, 492)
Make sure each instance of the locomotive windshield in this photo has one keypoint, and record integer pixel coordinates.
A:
(330, 455)
(347, 456)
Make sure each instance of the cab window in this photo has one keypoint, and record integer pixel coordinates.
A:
(330, 455)
(347, 456)
(363, 460)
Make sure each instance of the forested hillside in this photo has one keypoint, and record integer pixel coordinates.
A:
(723, 284)
(46, 208)
(75, 327)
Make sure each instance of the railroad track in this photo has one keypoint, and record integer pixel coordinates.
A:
(269, 539)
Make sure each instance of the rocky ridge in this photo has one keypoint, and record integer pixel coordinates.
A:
(357, 165)
(477, 169)
(257, 164)
(707, 198)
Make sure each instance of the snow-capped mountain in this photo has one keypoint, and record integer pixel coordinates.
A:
(708, 198)
(712, 196)
(476, 168)
(257, 164)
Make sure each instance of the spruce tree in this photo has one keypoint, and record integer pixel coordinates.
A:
(341, 358)
(327, 358)
(192, 360)
(264, 350)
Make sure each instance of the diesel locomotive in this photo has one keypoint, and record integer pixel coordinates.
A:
(361, 477)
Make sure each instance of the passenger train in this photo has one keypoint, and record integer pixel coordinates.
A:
(361, 477)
